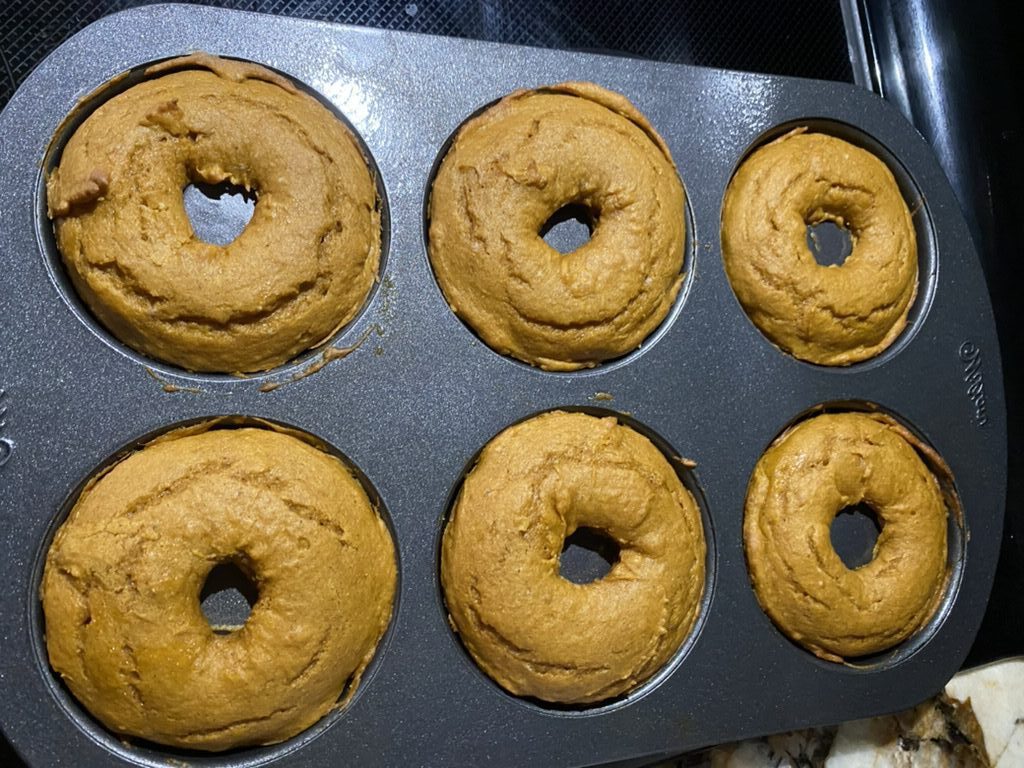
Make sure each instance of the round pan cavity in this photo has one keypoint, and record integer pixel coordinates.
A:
(218, 213)
(854, 542)
(587, 556)
(827, 254)
(573, 228)
(140, 751)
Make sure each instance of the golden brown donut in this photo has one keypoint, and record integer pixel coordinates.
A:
(533, 631)
(513, 166)
(121, 585)
(808, 476)
(831, 315)
(299, 271)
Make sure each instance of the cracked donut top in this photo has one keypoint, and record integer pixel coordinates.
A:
(508, 171)
(121, 589)
(835, 314)
(535, 632)
(299, 271)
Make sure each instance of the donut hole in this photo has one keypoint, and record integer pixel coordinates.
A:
(829, 241)
(588, 554)
(570, 227)
(218, 212)
(854, 532)
(227, 597)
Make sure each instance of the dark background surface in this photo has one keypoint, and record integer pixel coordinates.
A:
(780, 37)
(985, 39)
(776, 37)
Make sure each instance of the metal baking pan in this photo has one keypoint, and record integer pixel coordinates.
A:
(416, 400)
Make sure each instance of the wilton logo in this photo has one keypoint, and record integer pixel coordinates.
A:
(970, 356)
(6, 444)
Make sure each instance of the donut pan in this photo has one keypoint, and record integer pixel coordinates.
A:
(419, 395)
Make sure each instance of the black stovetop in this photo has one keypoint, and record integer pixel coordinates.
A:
(780, 37)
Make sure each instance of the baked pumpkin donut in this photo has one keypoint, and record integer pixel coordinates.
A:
(300, 269)
(507, 172)
(531, 630)
(122, 580)
(831, 315)
(808, 476)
